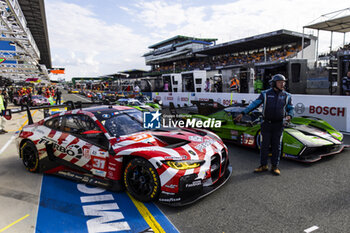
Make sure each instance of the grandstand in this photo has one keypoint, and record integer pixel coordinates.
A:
(261, 55)
(174, 49)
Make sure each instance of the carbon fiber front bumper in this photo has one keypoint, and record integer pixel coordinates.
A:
(316, 154)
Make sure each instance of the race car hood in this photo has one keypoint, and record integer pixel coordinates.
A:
(171, 144)
(312, 136)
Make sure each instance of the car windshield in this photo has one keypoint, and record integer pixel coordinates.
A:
(143, 99)
(122, 102)
(127, 122)
(135, 103)
(251, 117)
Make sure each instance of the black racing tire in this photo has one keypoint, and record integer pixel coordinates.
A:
(141, 180)
(258, 140)
(30, 156)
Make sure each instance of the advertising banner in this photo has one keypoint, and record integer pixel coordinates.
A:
(333, 109)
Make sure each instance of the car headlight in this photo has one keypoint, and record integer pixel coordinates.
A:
(183, 164)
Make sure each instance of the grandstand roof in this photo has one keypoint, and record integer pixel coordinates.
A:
(179, 38)
(34, 13)
(270, 39)
(341, 24)
(132, 71)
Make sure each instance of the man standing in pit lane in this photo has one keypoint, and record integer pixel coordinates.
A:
(277, 105)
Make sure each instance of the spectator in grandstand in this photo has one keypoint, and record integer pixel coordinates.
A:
(234, 86)
(277, 105)
(2, 114)
(346, 84)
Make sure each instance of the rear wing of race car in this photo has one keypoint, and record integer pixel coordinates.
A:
(69, 105)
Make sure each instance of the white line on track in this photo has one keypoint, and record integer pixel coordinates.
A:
(7, 144)
(82, 97)
(313, 228)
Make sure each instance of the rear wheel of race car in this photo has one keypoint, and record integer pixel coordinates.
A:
(30, 156)
(258, 140)
(141, 180)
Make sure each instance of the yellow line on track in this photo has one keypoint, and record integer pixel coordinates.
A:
(17, 221)
(24, 123)
(151, 221)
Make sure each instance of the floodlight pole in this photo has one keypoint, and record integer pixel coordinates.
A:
(302, 45)
(331, 42)
(318, 35)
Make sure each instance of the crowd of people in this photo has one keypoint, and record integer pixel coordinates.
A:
(25, 95)
(230, 59)
(334, 53)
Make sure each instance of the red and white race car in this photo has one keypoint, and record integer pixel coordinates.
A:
(107, 146)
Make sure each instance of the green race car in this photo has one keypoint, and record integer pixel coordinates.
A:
(305, 139)
(136, 104)
(146, 100)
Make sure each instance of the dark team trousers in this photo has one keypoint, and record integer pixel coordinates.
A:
(271, 135)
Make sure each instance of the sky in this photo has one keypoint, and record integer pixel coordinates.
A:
(91, 38)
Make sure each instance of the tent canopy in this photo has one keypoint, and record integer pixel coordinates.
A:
(333, 24)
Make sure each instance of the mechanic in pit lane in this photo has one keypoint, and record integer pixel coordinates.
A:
(277, 105)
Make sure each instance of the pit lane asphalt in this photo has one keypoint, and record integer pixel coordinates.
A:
(305, 195)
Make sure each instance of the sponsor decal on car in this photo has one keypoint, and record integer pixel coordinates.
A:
(290, 156)
(86, 154)
(191, 152)
(205, 144)
(195, 138)
(98, 172)
(293, 145)
(171, 186)
(194, 184)
(106, 116)
(72, 150)
(247, 139)
(171, 199)
(234, 132)
(181, 157)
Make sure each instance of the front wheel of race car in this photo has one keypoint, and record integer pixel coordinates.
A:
(141, 180)
(30, 156)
